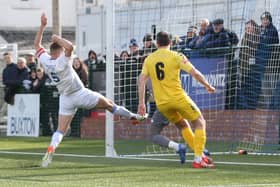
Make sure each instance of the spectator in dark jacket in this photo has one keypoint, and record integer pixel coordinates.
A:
(149, 45)
(81, 70)
(40, 80)
(249, 44)
(13, 77)
(92, 58)
(218, 37)
(197, 41)
(191, 34)
(30, 62)
(247, 54)
(22, 70)
(9, 78)
(268, 36)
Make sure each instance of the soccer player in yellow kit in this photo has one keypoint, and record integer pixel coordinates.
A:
(163, 68)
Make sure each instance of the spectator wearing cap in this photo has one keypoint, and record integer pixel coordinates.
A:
(218, 37)
(30, 61)
(92, 58)
(134, 48)
(148, 44)
(191, 34)
(204, 29)
(268, 36)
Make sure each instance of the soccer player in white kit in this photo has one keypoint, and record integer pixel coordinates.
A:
(73, 95)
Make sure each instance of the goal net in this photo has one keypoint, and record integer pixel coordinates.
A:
(244, 111)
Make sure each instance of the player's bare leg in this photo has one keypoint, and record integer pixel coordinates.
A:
(64, 122)
(105, 103)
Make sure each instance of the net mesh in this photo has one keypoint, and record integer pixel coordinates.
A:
(244, 111)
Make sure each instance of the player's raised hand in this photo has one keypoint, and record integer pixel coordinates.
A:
(55, 38)
(210, 89)
(44, 20)
(142, 109)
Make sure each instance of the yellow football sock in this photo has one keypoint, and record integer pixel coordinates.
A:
(188, 136)
(199, 142)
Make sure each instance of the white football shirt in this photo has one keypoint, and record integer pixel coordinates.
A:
(61, 72)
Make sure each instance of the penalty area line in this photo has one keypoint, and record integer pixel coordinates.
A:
(136, 158)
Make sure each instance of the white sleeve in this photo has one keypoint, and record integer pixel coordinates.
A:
(42, 56)
(63, 61)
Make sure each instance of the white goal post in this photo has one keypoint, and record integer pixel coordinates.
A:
(110, 27)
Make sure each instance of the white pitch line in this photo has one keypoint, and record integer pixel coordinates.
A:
(57, 154)
(225, 163)
(246, 185)
(137, 158)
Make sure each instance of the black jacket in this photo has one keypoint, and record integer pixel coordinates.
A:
(12, 79)
(10, 75)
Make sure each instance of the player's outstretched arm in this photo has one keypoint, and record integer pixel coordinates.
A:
(186, 66)
(200, 78)
(67, 45)
(141, 91)
(39, 35)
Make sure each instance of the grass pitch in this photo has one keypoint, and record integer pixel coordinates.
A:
(24, 170)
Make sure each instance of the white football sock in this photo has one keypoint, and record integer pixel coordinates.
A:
(122, 111)
(197, 159)
(173, 145)
(56, 139)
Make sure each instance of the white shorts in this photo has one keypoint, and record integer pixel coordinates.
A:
(84, 98)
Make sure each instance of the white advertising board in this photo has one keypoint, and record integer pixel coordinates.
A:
(24, 115)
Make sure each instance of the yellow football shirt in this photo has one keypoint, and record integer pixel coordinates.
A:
(163, 67)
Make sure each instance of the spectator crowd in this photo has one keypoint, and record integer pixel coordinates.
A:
(27, 75)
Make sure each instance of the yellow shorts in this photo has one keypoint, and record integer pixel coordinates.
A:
(179, 109)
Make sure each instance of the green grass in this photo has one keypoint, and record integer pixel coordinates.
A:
(25, 170)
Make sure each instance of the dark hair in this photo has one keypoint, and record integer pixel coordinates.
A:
(82, 64)
(266, 15)
(253, 23)
(92, 52)
(148, 37)
(123, 53)
(55, 46)
(163, 38)
(7, 53)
